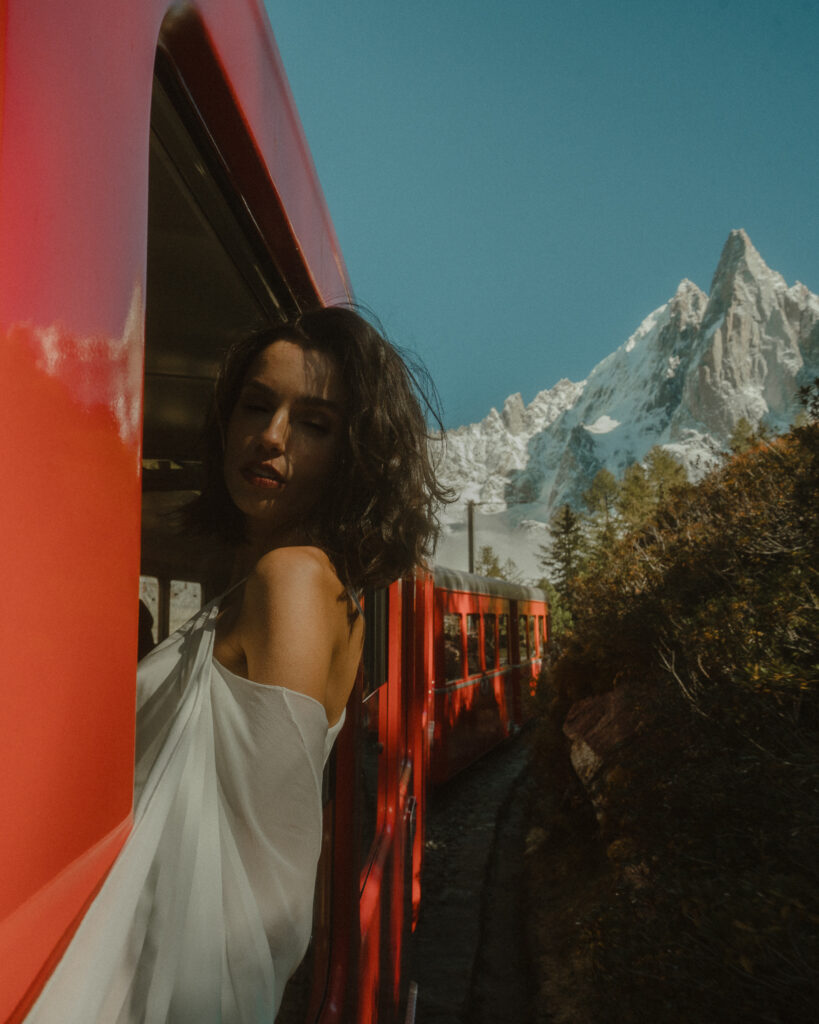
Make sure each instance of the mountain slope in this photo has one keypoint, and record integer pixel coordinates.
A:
(687, 375)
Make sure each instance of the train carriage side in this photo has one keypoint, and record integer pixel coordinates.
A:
(156, 197)
(489, 637)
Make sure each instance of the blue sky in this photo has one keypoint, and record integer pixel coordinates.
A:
(516, 185)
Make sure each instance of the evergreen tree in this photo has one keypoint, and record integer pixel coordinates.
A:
(664, 472)
(487, 564)
(634, 498)
(563, 558)
(601, 496)
(742, 436)
(601, 500)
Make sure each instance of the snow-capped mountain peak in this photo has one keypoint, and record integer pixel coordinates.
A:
(683, 379)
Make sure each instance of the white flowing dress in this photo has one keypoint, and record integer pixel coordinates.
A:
(207, 911)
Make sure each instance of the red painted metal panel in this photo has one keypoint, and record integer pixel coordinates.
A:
(75, 99)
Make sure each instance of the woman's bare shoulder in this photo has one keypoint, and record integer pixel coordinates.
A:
(297, 566)
(300, 576)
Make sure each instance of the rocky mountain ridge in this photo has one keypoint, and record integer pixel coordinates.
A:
(692, 369)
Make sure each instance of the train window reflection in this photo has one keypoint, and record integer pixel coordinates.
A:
(532, 637)
(453, 647)
(489, 641)
(523, 640)
(473, 653)
(542, 624)
(503, 640)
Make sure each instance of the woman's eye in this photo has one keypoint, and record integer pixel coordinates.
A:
(317, 426)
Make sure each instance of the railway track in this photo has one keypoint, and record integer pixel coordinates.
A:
(471, 961)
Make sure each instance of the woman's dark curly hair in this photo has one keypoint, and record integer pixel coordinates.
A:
(379, 518)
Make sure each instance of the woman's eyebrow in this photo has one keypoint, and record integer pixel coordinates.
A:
(313, 400)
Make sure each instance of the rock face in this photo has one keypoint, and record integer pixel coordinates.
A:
(683, 380)
(597, 727)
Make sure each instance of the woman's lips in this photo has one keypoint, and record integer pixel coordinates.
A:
(265, 477)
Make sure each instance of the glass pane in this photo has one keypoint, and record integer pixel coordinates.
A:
(186, 600)
(532, 639)
(371, 750)
(473, 654)
(148, 614)
(523, 641)
(489, 641)
(376, 638)
(453, 648)
(503, 640)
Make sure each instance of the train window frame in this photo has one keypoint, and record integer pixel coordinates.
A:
(474, 660)
(490, 641)
(450, 650)
(504, 654)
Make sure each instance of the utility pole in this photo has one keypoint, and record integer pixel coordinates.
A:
(470, 531)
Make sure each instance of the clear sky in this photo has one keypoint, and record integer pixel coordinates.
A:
(516, 185)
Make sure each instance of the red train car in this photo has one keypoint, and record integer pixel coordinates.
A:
(490, 637)
(157, 197)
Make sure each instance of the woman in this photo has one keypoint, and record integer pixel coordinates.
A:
(318, 477)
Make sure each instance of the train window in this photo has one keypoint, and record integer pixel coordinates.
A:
(185, 601)
(210, 276)
(542, 630)
(489, 645)
(523, 639)
(375, 665)
(532, 637)
(376, 639)
(503, 640)
(453, 647)
(473, 651)
(371, 751)
(148, 612)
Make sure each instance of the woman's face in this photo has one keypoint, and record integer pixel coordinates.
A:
(283, 441)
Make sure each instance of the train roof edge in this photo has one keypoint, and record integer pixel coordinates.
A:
(455, 579)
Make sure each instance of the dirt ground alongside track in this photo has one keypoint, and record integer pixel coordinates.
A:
(471, 960)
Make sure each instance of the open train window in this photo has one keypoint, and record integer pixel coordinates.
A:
(453, 647)
(210, 280)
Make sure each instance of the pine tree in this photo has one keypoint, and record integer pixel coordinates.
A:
(601, 496)
(742, 436)
(563, 558)
(634, 499)
(601, 499)
(487, 564)
(664, 472)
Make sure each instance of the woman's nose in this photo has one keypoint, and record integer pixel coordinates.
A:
(277, 431)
